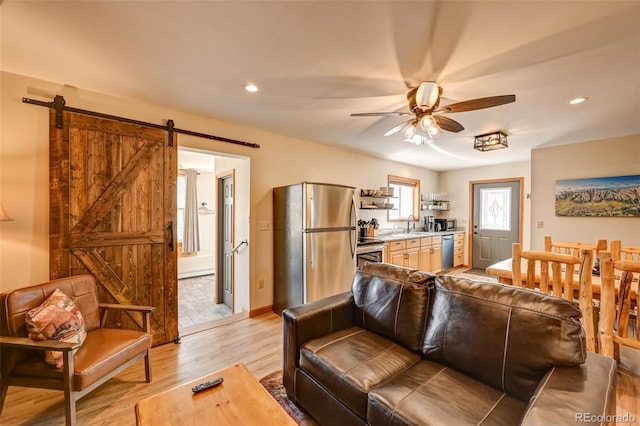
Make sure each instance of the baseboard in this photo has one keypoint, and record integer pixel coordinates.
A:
(260, 311)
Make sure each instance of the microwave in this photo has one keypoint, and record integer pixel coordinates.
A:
(451, 224)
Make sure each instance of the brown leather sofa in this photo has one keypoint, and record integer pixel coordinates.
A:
(410, 348)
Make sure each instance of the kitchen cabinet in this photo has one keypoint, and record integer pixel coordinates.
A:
(458, 249)
(404, 253)
(431, 254)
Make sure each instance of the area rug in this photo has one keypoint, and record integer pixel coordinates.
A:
(478, 271)
(273, 384)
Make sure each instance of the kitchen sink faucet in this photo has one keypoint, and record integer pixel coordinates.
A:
(409, 223)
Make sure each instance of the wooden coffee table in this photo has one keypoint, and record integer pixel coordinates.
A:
(239, 400)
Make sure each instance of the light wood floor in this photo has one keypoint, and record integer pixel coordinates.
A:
(256, 342)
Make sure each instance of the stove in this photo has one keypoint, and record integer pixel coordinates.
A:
(369, 250)
(363, 241)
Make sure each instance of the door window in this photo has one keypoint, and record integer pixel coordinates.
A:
(495, 209)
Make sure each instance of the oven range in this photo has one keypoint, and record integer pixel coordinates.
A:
(369, 250)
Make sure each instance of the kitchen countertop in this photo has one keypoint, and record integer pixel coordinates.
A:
(415, 234)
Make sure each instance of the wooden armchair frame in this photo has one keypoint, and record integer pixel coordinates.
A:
(65, 382)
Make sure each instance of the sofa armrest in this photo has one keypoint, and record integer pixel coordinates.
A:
(568, 395)
(306, 322)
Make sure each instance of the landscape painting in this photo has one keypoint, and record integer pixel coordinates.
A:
(614, 196)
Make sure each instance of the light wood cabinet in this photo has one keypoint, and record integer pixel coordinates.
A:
(404, 253)
(424, 253)
(431, 254)
(458, 249)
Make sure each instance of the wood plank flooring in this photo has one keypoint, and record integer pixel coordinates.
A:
(196, 302)
(256, 342)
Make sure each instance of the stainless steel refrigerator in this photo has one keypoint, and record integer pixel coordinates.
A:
(315, 238)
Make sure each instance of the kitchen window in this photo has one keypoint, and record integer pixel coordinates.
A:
(406, 193)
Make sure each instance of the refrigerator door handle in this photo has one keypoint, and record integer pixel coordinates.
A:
(353, 232)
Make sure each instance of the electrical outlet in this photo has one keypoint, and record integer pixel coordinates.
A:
(264, 225)
(260, 283)
(540, 224)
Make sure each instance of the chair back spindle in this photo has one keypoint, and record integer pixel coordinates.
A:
(615, 312)
(624, 253)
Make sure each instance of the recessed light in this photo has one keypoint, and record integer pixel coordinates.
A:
(577, 101)
(249, 87)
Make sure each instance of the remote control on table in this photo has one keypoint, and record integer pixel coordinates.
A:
(206, 385)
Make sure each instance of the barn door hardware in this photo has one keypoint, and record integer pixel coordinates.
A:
(59, 105)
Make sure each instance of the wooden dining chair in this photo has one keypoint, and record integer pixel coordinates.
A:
(553, 273)
(572, 247)
(616, 308)
(624, 253)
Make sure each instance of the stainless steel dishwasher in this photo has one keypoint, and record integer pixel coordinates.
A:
(447, 251)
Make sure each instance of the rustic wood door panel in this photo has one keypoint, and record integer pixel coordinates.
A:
(112, 206)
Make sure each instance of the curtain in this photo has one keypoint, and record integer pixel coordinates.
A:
(190, 232)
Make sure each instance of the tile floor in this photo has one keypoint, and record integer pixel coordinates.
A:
(195, 301)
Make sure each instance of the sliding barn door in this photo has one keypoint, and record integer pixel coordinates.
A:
(112, 206)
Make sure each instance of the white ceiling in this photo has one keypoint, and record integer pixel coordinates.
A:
(318, 61)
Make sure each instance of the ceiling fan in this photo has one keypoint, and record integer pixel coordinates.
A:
(424, 103)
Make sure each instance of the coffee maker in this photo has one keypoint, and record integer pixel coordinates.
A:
(428, 223)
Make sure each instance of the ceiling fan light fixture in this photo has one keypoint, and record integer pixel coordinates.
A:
(427, 94)
(433, 131)
(410, 130)
(491, 141)
(427, 122)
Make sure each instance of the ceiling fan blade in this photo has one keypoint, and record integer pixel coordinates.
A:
(397, 128)
(479, 103)
(445, 123)
(427, 94)
(379, 114)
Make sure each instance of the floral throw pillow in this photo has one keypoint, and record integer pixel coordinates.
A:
(57, 318)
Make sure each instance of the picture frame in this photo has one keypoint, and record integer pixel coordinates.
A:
(611, 196)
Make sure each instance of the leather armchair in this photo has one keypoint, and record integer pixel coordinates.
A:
(105, 352)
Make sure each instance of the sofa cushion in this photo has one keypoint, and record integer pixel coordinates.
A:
(507, 337)
(104, 350)
(57, 318)
(350, 362)
(393, 304)
(429, 393)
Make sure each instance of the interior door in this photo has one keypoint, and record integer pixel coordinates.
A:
(496, 221)
(225, 274)
(112, 206)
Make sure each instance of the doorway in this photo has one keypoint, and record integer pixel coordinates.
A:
(201, 274)
(496, 220)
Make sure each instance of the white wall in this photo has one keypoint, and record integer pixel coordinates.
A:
(456, 184)
(601, 158)
(24, 181)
